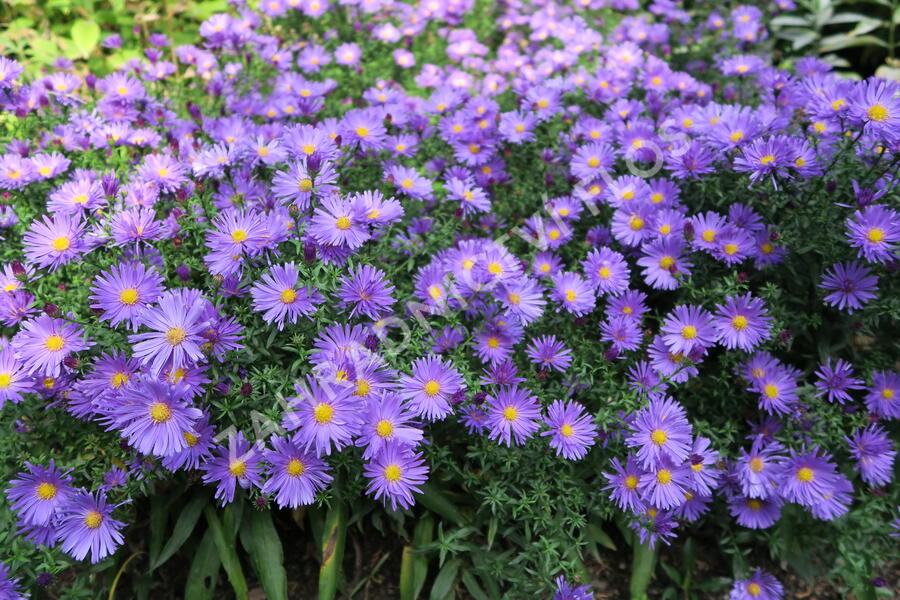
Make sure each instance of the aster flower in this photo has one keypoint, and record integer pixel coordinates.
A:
(13, 379)
(366, 291)
(573, 293)
(607, 271)
(623, 484)
(687, 328)
(760, 586)
(125, 291)
(86, 526)
(176, 335)
(276, 295)
(522, 297)
(295, 476)
(835, 381)
(660, 431)
(430, 387)
(664, 486)
(874, 454)
(513, 413)
(851, 284)
(9, 586)
(234, 465)
(395, 474)
(703, 460)
(883, 397)
(38, 495)
(75, 197)
(55, 240)
(742, 322)
(806, 477)
(567, 591)
(874, 231)
(548, 352)
(44, 342)
(155, 417)
(325, 416)
(777, 390)
(755, 513)
(134, 225)
(663, 264)
(623, 331)
(572, 430)
(338, 222)
(876, 105)
(655, 526)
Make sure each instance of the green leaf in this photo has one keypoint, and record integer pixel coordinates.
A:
(642, 566)
(443, 583)
(204, 571)
(333, 538)
(184, 526)
(437, 502)
(472, 586)
(227, 554)
(841, 41)
(414, 562)
(86, 35)
(159, 516)
(596, 534)
(261, 541)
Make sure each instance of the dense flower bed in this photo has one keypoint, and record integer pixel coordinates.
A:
(573, 263)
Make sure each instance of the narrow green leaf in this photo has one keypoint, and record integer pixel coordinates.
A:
(472, 586)
(184, 526)
(596, 534)
(445, 580)
(261, 541)
(414, 563)
(333, 538)
(204, 571)
(85, 35)
(159, 516)
(437, 502)
(642, 566)
(227, 554)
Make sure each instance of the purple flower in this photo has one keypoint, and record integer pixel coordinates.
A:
(395, 474)
(236, 464)
(624, 485)
(38, 495)
(758, 471)
(9, 586)
(623, 331)
(154, 417)
(326, 416)
(55, 241)
(339, 223)
(548, 352)
(366, 291)
(852, 283)
(13, 379)
(277, 295)
(200, 443)
(573, 293)
(660, 431)
(688, 328)
(513, 413)
(835, 382)
(874, 230)
(664, 486)
(663, 265)
(807, 477)
(573, 430)
(755, 513)
(86, 525)
(429, 389)
(176, 335)
(42, 344)
(742, 322)
(566, 591)
(760, 586)
(607, 271)
(125, 291)
(388, 422)
(883, 397)
(874, 454)
(295, 476)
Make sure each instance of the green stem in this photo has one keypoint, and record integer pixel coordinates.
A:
(643, 564)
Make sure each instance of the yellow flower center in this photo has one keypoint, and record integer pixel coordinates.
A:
(805, 474)
(305, 185)
(392, 473)
(308, 149)
(628, 195)
(756, 464)
(493, 342)
(432, 388)
(663, 476)
(631, 482)
(362, 131)
(93, 519)
(238, 236)
(495, 268)
(739, 322)
(730, 249)
(659, 437)
(61, 244)
(295, 468)
(754, 504)
(363, 388)
(593, 162)
(767, 159)
(46, 491)
(709, 236)
(160, 412)
(519, 128)
(510, 413)
(878, 113)
(80, 199)
(697, 468)
(237, 468)
(162, 172)
(688, 332)
(190, 438)
(514, 298)
(54, 343)
(5, 380)
(384, 428)
(887, 394)
(128, 296)
(736, 136)
(323, 413)
(566, 430)
(753, 589)
(875, 235)
(435, 292)
(571, 295)
(636, 223)
(288, 296)
(175, 335)
(343, 223)
(771, 390)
